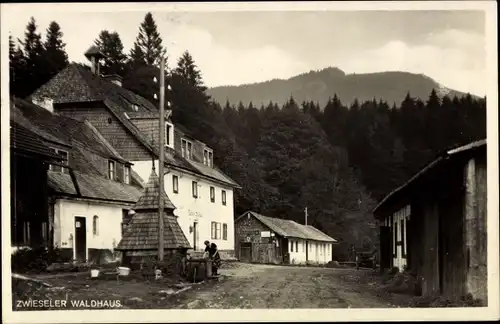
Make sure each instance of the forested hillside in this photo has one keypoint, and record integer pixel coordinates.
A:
(318, 86)
(336, 158)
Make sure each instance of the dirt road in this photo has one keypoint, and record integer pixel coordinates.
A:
(267, 286)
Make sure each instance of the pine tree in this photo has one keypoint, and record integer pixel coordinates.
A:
(34, 74)
(148, 48)
(55, 55)
(16, 68)
(111, 46)
(187, 68)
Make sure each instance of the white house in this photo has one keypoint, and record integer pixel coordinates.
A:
(201, 193)
(90, 190)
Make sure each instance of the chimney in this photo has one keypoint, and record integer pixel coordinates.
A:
(94, 54)
(114, 78)
(44, 102)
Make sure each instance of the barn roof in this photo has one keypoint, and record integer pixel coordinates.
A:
(142, 231)
(289, 228)
(412, 182)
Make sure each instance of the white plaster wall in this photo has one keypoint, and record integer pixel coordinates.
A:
(188, 209)
(316, 253)
(109, 224)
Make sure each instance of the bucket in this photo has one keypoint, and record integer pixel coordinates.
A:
(94, 273)
(123, 271)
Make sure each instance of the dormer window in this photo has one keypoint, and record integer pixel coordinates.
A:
(208, 157)
(64, 156)
(187, 149)
(111, 170)
(169, 135)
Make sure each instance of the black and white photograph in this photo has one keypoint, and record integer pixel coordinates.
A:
(298, 161)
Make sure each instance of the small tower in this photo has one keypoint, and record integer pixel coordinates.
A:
(140, 240)
(94, 54)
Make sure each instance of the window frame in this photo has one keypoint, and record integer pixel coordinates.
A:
(194, 189)
(126, 174)
(111, 170)
(95, 225)
(224, 231)
(65, 161)
(186, 149)
(218, 231)
(212, 194)
(168, 128)
(175, 184)
(223, 197)
(291, 246)
(208, 157)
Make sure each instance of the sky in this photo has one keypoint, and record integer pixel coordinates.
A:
(233, 48)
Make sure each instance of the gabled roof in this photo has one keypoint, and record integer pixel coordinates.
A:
(25, 141)
(289, 228)
(150, 197)
(76, 83)
(445, 156)
(142, 231)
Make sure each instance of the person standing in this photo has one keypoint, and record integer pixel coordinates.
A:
(216, 260)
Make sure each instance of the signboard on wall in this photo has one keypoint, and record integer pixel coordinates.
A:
(265, 234)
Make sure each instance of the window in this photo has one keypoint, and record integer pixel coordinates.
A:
(212, 194)
(44, 231)
(95, 225)
(291, 246)
(168, 129)
(224, 232)
(175, 183)
(64, 155)
(187, 149)
(208, 157)
(216, 231)
(126, 175)
(223, 195)
(111, 170)
(195, 189)
(297, 246)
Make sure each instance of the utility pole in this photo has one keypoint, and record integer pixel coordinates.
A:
(161, 238)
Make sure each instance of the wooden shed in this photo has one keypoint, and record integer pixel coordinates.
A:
(435, 224)
(140, 238)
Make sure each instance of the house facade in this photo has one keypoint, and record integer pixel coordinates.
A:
(90, 188)
(435, 224)
(263, 239)
(202, 193)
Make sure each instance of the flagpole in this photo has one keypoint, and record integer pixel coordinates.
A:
(161, 238)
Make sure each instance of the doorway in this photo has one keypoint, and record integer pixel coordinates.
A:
(80, 239)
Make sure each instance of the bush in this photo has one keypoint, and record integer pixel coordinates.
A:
(35, 260)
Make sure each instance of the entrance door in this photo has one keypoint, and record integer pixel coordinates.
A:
(80, 239)
(246, 252)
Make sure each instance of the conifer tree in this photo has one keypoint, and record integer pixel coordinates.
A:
(55, 54)
(111, 46)
(187, 69)
(148, 48)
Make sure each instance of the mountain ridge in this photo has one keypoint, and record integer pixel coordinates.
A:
(320, 85)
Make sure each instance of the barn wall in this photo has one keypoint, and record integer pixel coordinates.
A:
(475, 231)
(429, 273)
(249, 229)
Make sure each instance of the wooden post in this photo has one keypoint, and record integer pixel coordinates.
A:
(161, 161)
(470, 225)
